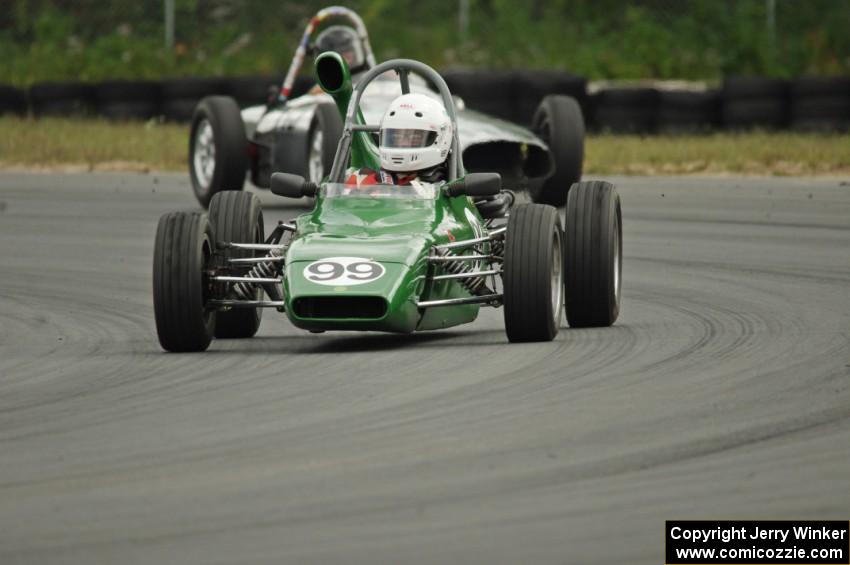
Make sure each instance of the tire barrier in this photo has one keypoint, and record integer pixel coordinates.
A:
(533, 86)
(252, 90)
(754, 102)
(688, 111)
(12, 100)
(491, 92)
(513, 95)
(813, 104)
(820, 104)
(625, 110)
(256, 89)
(61, 99)
(180, 96)
(127, 100)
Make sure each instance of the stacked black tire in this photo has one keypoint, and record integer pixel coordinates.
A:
(820, 104)
(12, 100)
(491, 92)
(513, 95)
(253, 90)
(127, 99)
(625, 110)
(754, 102)
(815, 104)
(687, 111)
(62, 99)
(180, 96)
(534, 86)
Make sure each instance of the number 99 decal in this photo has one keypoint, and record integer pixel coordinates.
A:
(343, 271)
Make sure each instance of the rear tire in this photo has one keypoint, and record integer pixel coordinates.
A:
(182, 251)
(560, 123)
(310, 153)
(532, 273)
(218, 148)
(237, 217)
(594, 243)
(324, 138)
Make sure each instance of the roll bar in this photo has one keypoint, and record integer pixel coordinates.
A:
(301, 51)
(403, 67)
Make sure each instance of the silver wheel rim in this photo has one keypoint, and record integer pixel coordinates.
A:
(315, 161)
(203, 158)
(616, 261)
(557, 289)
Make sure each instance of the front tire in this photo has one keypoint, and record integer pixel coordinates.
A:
(532, 273)
(182, 252)
(237, 217)
(559, 122)
(594, 266)
(218, 148)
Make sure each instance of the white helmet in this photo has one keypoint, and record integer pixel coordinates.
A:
(416, 134)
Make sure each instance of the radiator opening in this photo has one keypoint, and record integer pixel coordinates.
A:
(324, 307)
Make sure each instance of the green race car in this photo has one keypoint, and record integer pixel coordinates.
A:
(387, 257)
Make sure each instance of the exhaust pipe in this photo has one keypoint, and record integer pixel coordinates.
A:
(334, 78)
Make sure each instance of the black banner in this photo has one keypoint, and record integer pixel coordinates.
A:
(768, 542)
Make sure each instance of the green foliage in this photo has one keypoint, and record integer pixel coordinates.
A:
(697, 39)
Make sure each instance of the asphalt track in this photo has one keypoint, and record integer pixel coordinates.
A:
(722, 392)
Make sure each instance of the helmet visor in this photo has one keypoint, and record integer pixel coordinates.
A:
(407, 138)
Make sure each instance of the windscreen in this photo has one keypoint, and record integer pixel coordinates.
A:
(414, 191)
(407, 138)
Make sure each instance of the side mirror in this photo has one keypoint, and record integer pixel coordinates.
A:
(292, 186)
(475, 185)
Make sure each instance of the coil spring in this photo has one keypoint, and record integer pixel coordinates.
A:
(475, 285)
(266, 269)
(497, 248)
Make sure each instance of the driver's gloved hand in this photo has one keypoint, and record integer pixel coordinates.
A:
(272, 95)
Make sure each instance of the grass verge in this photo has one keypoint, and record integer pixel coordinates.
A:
(755, 153)
(88, 144)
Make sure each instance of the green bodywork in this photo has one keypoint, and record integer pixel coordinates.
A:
(397, 233)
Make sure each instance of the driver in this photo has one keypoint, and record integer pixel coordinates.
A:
(415, 142)
(343, 40)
